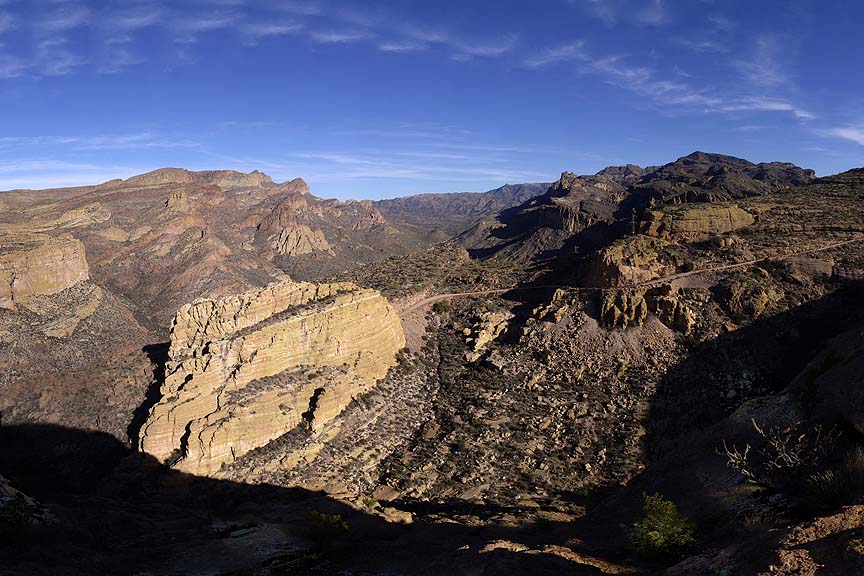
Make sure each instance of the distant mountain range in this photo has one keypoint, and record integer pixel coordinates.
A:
(453, 212)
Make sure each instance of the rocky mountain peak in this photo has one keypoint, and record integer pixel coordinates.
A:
(223, 178)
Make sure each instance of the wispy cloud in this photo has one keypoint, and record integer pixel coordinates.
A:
(763, 104)
(41, 173)
(191, 26)
(134, 18)
(605, 10)
(675, 95)
(11, 66)
(56, 58)
(763, 68)
(7, 22)
(703, 45)
(256, 31)
(62, 17)
(850, 133)
(462, 49)
(564, 53)
(341, 36)
(403, 46)
(138, 140)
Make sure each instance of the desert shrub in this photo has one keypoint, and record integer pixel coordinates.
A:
(662, 533)
(785, 456)
(324, 530)
(441, 307)
(836, 486)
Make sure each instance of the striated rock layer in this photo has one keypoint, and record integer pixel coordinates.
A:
(246, 369)
(37, 264)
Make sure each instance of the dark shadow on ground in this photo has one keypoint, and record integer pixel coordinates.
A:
(688, 422)
(119, 512)
(158, 355)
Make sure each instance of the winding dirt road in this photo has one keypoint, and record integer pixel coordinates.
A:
(449, 296)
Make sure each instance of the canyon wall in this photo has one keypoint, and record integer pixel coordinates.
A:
(37, 264)
(246, 369)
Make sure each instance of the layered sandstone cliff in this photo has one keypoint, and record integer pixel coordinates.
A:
(695, 220)
(37, 264)
(246, 369)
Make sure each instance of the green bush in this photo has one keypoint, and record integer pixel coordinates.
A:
(441, 307)
(662, 533)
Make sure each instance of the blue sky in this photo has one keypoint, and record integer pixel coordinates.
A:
(386, 98)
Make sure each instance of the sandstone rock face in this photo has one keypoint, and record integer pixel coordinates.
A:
(630, 260)
(695, 220)
(246, 369)
(489, 326)
(177, 201)
(37, 264)
(666, 304)
(298, 240)
(623, 309)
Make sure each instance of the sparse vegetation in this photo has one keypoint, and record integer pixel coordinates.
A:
(662, 533)
(441, 307)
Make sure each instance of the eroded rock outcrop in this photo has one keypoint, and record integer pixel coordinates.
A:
(37, 264)
(246, 369)
(299, 240)
(695, 220)
(623, 308)
(627, 261)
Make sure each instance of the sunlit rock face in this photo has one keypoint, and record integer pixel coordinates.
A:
(38, 264)
(245, 369)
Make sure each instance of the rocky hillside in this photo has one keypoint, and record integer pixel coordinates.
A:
(453, 212)
(580, 213)
(167, 237)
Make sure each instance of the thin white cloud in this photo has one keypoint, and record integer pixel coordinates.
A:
(255, 31)
(190, 27)
(763, 68)
(462, 49)
(762, 104)
(134, 18)
(121, 57)
(564, 53)
(40, 173)
(7, 22)
(604, 10)
(341, 37)
(850, 133)
(403, 46)
(55, 58)
(61, 18)
(11, 66)
(703, 45)
(138, 140)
